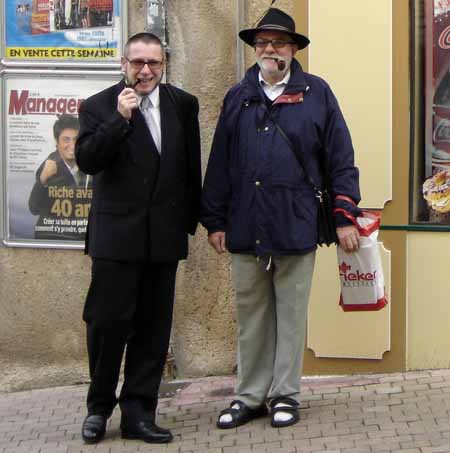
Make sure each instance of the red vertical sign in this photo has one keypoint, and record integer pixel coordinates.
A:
(438, 83)
(436, 189)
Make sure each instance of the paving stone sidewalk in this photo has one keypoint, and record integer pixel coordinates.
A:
(408, 412)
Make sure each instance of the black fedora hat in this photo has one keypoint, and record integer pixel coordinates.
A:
(275, 20)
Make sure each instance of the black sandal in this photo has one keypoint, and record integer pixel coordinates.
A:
(291, 408)
(240, 416)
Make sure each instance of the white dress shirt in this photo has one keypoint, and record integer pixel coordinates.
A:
(273, 91)
(149, 106)
(75, 172)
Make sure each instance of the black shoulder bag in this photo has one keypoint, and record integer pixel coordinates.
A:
(326, 229)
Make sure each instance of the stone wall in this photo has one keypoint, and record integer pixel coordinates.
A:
(202, 36)
(42, 336)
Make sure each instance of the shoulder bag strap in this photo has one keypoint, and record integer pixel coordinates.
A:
(300, 159)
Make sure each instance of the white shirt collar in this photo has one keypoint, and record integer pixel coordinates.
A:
(283, 81)
(152, 116)
(153, 96)
(73, 170)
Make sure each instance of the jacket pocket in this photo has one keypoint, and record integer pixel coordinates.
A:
(305, 204)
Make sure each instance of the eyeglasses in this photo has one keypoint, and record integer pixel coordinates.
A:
(138, 64)
(276, 43)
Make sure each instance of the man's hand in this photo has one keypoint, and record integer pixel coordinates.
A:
(348, 238)
(217, 241)
(127, 102)
(50, 169)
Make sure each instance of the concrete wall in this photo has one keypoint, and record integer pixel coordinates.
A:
(42, 337)
(203, 62)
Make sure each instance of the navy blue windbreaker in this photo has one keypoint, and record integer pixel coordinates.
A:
(254, 188)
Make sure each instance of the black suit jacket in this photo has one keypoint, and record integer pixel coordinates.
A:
(144, 205)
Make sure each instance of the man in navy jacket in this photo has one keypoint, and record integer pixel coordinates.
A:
(258, 204)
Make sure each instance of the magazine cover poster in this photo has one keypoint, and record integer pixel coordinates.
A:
(47, 197)
(58, 30)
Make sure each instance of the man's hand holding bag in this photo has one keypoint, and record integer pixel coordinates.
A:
(360, 272)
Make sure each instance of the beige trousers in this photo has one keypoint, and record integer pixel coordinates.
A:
(271, 308)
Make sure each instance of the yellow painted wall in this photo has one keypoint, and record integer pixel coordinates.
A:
(335, 333)
(361, 48)
(428, 309)
(351, 47)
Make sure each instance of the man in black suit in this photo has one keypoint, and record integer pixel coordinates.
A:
(140, 139)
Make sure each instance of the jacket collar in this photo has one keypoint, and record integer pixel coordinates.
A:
(120, 86)
(296, 83)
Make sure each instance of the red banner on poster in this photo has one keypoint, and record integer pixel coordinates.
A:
(40, 17)
(101, 5)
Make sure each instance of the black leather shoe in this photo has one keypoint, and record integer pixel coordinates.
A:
(145, 430)
(93, 429)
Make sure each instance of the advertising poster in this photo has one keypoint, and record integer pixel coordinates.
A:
(71, 31)
(436, 186)
(47, 197)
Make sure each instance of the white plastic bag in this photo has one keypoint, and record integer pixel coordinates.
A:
(360, 272)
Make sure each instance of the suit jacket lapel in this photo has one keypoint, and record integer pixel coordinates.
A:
(166, 119)
(170, 136)
(65, 172)
(141, 146)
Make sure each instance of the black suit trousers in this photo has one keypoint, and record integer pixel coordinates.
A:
(128, 307)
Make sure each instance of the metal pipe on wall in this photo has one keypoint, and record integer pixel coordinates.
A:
(155, 22)
(240, 53)
(156, 19)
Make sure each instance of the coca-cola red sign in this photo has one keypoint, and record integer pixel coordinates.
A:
(444, 38)
(437, 129)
